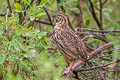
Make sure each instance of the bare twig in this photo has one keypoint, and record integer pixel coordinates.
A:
(99, 31)
(80, 24)
(101, 48)
(110, 50)
(49, 18)
(94, 53)
(104, 2)
(91, 8)
(101, 7)
(5, 15)
(95, 67)
(43, 22)
(9, 6)
(86, 37)
(79, 63)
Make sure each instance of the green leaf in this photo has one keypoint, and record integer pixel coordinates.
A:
(40, 14)
(18, 7)
(75, 2)
(43, 2)
(32, 18)
(62, 3)
(2, 58)
(41, 34)
(40, 48)
(16, 17)
(111, 37)
(27, 2)
(107, 11)
(5, 43)
(75, 10)
(13, 58)
(68, 11)
(87, 21)
(116, 52)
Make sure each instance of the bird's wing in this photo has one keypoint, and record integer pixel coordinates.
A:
(76, 45)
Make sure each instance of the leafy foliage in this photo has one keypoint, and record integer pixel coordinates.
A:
(23, 42)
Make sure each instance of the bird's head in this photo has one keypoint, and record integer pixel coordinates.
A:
(61, 18)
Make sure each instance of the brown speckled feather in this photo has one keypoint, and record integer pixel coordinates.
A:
(69, 44)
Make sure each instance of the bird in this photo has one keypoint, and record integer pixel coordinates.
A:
(67, 41)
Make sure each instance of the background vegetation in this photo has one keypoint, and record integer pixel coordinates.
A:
(26, 48)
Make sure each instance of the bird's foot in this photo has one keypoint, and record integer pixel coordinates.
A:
(67, 73)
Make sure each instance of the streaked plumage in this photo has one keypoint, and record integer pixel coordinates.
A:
(67, 41)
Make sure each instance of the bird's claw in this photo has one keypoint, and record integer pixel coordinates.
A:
(67, 73)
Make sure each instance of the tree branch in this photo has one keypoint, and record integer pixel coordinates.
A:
(91, 8)
(43, 22)
(5, 15)
(99, 31)
(95, 67)
(101, 7)
(101, 48)
(80, 24)
(9, 6)
(104, 2)
(49, 18)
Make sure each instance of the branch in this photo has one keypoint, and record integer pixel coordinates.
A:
(99, 31)
(43, 22)
(95, 67)
(101, 7)
(91, 8)
(86, 37)
(104, 2)
(79, 63)
(9, 7)
(80, 24)
(101, 48)
(5, 15)
(49, 18)
(95, 35)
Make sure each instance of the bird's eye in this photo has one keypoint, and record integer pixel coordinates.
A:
(58, 19)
